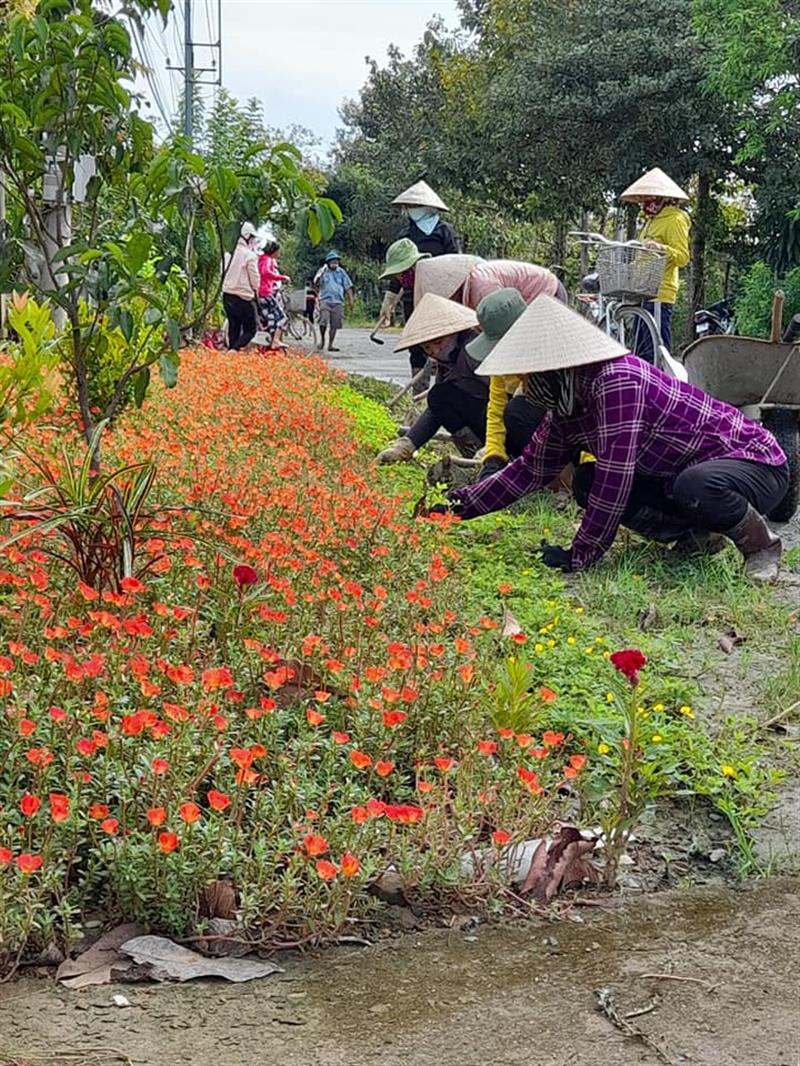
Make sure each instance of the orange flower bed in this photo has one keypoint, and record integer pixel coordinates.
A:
(286, 693)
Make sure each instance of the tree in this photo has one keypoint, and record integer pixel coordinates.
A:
(104, 262)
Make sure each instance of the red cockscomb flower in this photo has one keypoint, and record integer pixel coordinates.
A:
(629, 662)
(245, 575)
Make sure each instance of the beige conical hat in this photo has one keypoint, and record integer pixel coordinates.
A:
(435, 317)
(549, 336)
(443, 275)
(420, 194)
(654, 184)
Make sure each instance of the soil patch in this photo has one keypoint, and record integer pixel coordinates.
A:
(496, 996)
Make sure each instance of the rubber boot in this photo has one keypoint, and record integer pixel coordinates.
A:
(466, 442)
(760, 547)
(399, 451)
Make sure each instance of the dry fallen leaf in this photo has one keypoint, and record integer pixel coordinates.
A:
(731, 640)
(511, 627)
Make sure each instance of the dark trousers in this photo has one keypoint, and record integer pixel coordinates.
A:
(521, 418)
(642, 343)
(241, 315)
(452, 408)
(711, 496)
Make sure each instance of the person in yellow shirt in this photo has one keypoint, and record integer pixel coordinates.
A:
(666, 229)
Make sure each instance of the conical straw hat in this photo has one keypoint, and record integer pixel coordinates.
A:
(443, 275)
(420, 195)
(549, 336)
(435, 317)
(655, 184)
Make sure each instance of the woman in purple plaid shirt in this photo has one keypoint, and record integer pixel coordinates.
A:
(672, 463)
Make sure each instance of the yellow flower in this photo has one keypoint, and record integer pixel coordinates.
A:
(603, 749)
(658, 706)
(687, 712)
(551, 643)
(570, 640)
(589, 650)
(728, 770)
(599, 640)
(579, 610)
(610, 697)
(538, 648)
(656, 738)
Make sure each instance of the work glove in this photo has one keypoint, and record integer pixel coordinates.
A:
(557, 558)
(386, 314)
(491, 465)
(399, 451)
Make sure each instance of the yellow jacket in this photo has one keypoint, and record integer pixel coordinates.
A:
(501, 389)
(670, 227)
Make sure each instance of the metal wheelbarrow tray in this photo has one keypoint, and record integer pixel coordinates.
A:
(762, 378)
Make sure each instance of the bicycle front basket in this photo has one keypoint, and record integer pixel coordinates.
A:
(627, 270)
(296, 300)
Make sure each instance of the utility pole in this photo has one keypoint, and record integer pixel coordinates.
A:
(192, 78)
(188, 74)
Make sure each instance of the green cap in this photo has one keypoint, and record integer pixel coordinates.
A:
(497, 313)
(402, 256)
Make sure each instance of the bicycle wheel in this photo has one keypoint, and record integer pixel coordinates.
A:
(638, 331)
(292, 326)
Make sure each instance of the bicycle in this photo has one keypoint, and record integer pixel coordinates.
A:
(627, 274)
(298, 324)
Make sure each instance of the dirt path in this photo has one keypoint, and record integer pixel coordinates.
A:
(490, 997)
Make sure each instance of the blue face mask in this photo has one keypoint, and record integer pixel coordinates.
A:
(425, 218)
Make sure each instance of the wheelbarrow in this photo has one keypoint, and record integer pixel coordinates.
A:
(762, 379)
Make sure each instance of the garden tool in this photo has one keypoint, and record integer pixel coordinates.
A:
(466, 442)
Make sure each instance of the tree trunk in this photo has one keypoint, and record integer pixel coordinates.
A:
(697, 284)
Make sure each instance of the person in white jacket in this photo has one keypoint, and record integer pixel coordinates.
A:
(240, 286)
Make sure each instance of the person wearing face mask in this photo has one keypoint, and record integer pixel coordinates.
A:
(671, 462)
(240, 287)
(431, 235)
(458, 400)
(666, 229)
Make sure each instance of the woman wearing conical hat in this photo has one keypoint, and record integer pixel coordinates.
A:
(428, 235)
(666, 229)
(457, 401)
(672, 462)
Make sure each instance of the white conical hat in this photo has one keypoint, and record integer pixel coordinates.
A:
(443, 275)
(549, 336)
(420, 194)
(654, 184)
(435, 317)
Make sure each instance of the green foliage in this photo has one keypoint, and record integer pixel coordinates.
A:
(25, 392)
(754, 299)
(98, 519)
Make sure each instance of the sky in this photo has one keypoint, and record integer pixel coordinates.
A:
(302, 58)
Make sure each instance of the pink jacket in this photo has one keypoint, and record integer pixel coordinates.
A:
(527, 278)
(269, 274)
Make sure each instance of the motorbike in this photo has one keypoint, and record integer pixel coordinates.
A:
(714, 320)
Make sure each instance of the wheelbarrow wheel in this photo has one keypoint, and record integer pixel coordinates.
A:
(783, 425)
